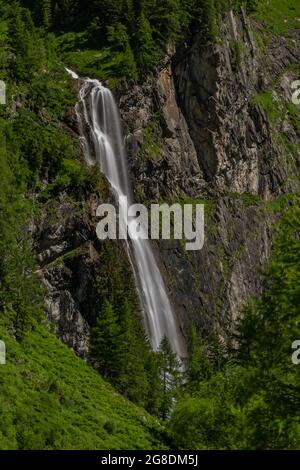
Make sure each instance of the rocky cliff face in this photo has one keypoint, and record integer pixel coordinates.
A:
(198, 130)
(77, 271)
(218, 145)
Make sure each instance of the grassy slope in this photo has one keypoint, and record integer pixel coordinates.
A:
(50, 399)
(279, 16)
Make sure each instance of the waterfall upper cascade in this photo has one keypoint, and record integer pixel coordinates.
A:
(101, 138)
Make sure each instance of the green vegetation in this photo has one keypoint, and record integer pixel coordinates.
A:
(250, 199)
(269, 104)
(151, 148)
(236, 396)
(209, 203)
(122, 355)
(252, 400)
(50, 399)
(113, 39)
(293, 116)
(279, 16)
(279, 113)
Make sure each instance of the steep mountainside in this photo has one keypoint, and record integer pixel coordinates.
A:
(204, 92)
(202, 130)
(219, 143)
(50, 399)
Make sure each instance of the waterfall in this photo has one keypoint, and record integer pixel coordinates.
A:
(102, 141)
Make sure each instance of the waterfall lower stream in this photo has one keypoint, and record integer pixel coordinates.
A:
(101, 138)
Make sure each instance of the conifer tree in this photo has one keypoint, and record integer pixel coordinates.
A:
(25, 44)
(155, 390)
(20, 292)
(44, 12)
(198, 368)
(132, 380)
(169, 367)
(118, 41)
(104, 342)
(165, 18)
(144, 45)
(204, 12)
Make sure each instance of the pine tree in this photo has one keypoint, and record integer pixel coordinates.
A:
(145, 48)
(132, 380)
(204, 12)
(118, 40)
(198, 366)
(20, 292)
(165, 18)
(44, 12)
(171, 377)
(110, 11)
(25, 44)
(105, 342)
(155, 391)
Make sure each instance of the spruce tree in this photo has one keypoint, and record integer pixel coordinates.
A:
(198, 368)
(25, 43)
(132, 380)
(170, 374)
(118, 40)
(165, 18)
(204, 12)
(144, 45)
(44, 12)
(155, 390)
(105, 342)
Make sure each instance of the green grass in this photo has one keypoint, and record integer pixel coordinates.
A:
(250, 199)
(294, 117)
(50, 399)
(103, 63)
(280, 204)
(266, 100)
(151, 149)
(279, 16)
(87, 62)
